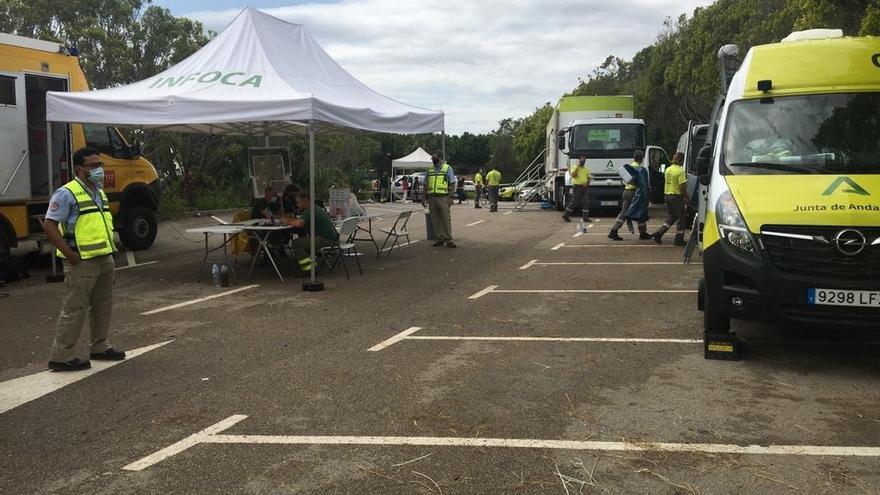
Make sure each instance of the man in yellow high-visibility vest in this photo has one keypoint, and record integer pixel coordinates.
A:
(440, 183)
(79, 224)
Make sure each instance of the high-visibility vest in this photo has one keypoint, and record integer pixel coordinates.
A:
(478, 179)
(93, 230)
(494, 177)
(580, 174)
(437, 182)
(637, 166)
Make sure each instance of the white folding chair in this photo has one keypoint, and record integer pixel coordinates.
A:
(344, 246)
(396, 231)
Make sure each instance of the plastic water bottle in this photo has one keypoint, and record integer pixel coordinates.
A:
(582, 227)
(224, 275)
(215, 274)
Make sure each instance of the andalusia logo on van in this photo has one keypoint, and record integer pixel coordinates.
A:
(216, 76)
(853, 187)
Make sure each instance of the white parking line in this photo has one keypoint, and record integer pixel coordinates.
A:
(196, 301)
(652, 245)
(401, 245)
(493, 289)
(528, 265)
(393, 340)
(212, 435)
(603, 263)
(620, 340)
(408, 335)
(18, 391)
(475, 223)
(483, 292)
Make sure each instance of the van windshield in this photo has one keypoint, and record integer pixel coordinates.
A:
(608, 140)
(814, 134)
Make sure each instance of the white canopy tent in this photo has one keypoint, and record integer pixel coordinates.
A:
(260, 76)
(418, 159)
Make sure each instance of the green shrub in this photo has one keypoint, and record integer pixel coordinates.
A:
(171, 206)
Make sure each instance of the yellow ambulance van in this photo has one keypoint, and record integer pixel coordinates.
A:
(28, 69)
(792, 225)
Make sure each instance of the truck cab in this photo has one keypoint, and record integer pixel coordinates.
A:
(792, 216)
(28, 177)
(609, 144)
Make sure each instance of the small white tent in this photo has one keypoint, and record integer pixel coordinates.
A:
(260, 76)
(418, 159)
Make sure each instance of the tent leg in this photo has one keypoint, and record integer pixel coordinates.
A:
(443, 144)
(312, 285)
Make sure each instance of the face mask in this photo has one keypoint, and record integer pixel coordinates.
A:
(274, 200)
(96, 175)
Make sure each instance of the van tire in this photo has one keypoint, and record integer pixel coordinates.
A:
(715, 320)
(5, 248)
(139, 228)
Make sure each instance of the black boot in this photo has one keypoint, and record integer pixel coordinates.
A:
(658, 237)
(566, 217)
(679, 239)
(614, 236)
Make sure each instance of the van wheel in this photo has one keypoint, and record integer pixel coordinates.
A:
(560, 198)
(140, 228)
(5, 249)
(715, 320)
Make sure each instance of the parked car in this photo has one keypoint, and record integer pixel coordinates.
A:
(532, 190)
(510, 191)
(469, 186)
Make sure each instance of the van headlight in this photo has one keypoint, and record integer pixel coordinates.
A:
(731, 226)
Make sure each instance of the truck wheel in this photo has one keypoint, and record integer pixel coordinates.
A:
(560, 198)
(139, 228)
(715, 320)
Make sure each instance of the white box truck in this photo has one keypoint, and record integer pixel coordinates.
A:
(604, 128)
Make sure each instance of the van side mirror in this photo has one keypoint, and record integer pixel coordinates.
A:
(703, 164)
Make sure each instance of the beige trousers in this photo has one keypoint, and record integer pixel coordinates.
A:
(441, 218)
(88, 290)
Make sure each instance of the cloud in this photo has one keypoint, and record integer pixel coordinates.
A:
(478, 61)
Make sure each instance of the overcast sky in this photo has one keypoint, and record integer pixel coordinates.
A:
(478, 61)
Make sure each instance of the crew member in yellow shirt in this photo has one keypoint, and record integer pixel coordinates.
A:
(478, 188)
(580, 199)
(494, 179)
(676, 195)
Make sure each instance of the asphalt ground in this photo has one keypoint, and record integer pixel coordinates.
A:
(325, 414)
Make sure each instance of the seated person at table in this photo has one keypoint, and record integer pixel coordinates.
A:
(288, 200)
(325, 232)
(268, 206)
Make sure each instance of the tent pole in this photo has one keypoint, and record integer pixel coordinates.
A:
(443, 141)
(312, 285)
(266, 135)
